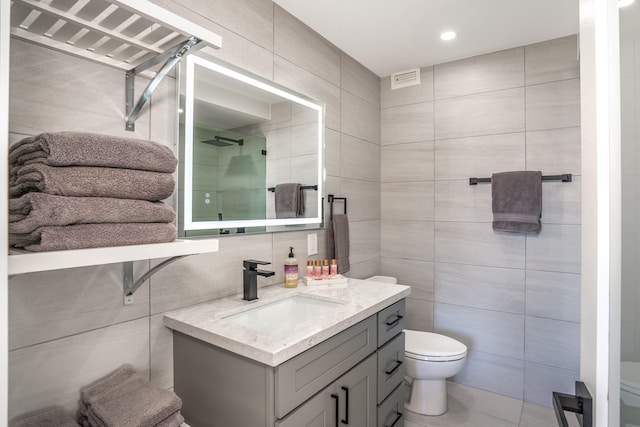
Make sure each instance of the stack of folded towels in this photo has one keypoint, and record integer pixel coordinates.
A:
(74, 190)
(124, 399)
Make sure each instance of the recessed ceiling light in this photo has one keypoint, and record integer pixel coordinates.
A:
(448, 35)
(624, 3)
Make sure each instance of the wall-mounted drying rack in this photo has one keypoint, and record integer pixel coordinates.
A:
(331, 198)
(130, 35)
(303, 187)
(564, 178)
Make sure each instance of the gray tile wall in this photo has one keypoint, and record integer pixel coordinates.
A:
(69, 327)
(514, 300)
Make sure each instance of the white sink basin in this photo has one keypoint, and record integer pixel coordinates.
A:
(283, 314)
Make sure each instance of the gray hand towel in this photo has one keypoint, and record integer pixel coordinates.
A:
(90, 149)
(174, 420)
(517, 201)
(135, 403)
(84, 236)
(80, 181)
(289, 200)
(34, 210)
(331, 247)
(341, 242)
(51, 418)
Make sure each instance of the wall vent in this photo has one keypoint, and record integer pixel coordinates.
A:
(405, 78)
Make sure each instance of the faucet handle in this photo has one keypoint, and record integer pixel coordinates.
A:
(253, 263)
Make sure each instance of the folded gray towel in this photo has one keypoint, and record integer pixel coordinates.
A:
(51, 418)
(341, 242)
(35, 210)
(174, 420)
(90, 392)
(289, 200)
(83, 236)
(516, 199)
(135, 402)
(90, 149)
(80, 181)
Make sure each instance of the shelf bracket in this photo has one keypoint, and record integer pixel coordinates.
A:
(130, 287)
(171, 57)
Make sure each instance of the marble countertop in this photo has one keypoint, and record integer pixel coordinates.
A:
(359, 300)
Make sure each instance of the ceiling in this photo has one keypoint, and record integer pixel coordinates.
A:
(388, 36)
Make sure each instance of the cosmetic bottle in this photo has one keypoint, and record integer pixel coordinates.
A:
(333, 269)
(291, 270)
(317, 270)
(310, 269)
(325, 269)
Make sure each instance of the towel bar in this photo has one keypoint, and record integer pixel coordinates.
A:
(331, 198)
(304, 187)
(564, 178)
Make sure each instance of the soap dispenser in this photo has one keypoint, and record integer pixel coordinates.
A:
(291, 270)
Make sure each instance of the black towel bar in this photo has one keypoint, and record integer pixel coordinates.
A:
(331, 198)
(564, 178)
(304, 187)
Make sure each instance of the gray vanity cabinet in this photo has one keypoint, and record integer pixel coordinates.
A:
(353, 377)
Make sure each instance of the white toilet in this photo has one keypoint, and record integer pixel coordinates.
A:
(430, 359)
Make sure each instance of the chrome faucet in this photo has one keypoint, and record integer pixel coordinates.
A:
(250, 278)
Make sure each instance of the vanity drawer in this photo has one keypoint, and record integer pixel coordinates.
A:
(391, 411)
(391, 366)
(390, 322)
(299, 378)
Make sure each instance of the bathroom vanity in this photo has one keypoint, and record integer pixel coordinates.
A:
(338, 361)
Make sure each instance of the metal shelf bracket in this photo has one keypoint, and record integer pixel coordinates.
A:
(130, 287)
(171, 57)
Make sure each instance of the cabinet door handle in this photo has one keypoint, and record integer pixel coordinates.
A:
(395, 321)
(398, 416)
(337, 399)
(395, 368)
(346, 406)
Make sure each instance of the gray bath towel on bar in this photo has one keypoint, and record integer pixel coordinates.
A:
(289, 200)
(51, 418)
(90, 149)
(517, 201)
(84, 236)
(80, 181)
(340, 227)
(34, 210)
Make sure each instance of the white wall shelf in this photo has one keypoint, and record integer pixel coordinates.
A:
(23, 262)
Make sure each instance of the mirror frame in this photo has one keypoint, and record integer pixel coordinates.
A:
(260, 83)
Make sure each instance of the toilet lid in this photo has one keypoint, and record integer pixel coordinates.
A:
(427, 345)
(630, 377)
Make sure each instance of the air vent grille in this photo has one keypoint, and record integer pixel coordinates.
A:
(405, 78)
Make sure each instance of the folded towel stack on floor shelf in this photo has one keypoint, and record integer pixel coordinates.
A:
(75, 190)
(124, 399)
(55, 417)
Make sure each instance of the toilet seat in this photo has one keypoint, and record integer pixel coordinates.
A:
(630, 377)
(432, 347)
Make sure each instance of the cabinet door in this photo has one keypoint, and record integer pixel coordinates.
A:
(319, 411)
(357, 391)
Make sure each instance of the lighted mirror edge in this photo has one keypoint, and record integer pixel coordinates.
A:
(189, 224)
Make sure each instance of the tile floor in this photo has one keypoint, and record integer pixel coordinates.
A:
(478, 408)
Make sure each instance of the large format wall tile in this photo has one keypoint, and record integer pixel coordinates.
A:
(540, 381)
(296, 42)
(479, 156)
(491, 288)
(478, 244)
(407, 123)
(553, 295)
(459, 201)
(364, 240)
(556, 248)
(49, 305)
(359, 81)
(553, 105)
(497, 374)
(552, 60)
(419, 315)
(160, 352)
(407, 162)
(359, 159)
(363, 197)
(414, 273)
(552, 343)
(359, 118)
(407, 95)
(561, 202)
(410, 201)
(501, 111)
(332, 163)
(52, 373)
(408, 240)
(482, 73)
(483, 330)
(555, 151)
(364, 269)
